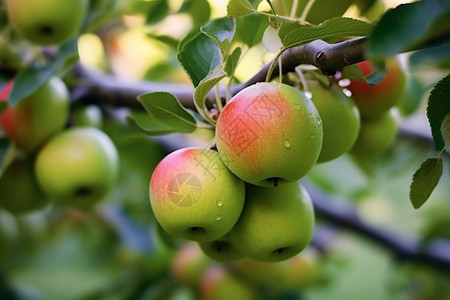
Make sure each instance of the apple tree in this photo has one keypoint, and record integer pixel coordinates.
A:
(203, 149)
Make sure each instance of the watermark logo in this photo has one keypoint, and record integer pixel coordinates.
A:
(262, 110)
(184, 189)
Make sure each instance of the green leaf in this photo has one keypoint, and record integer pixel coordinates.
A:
(232, 61)
(236, 8)
(407, 26)
(168, 111)
(425, 180)
(148, 124)
(199, 56)
(438, 107)
(205, 86)
(33, 77)
(294, 33)
(250, 29)
(219, 30)
(156, 10)
(433, 57)
(199, 10)
(5, 145)
(353, 72)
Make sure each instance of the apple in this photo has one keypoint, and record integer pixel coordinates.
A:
(320, 11)
(78, 167)
(269, 133)
(90, 116)
(222, 250)
(301, 271)
(194, 196)
(374, 100)
(276, 222)
(375, 136)
(259, 273)
(39, 116)
(47, 22)
(189, 264)
(340, 120)
(217, 283)
(19, 190)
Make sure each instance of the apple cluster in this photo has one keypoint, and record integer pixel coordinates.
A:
(49, 161)
(242, 197)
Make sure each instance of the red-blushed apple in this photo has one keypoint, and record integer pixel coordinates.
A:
(189, 264)
(78, 167)
(375, 137)
(194, 196)
(340, 120)
(374, 100)
(19, 191)
(32, 121)
(222, 250)
(276, 222)
(47, 22)
(269, 133)
(217, 283)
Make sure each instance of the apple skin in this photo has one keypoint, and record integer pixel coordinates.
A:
(269, 133)
(375, 136)
(221, 250)
(189, 263)
(47, 22)
(19, 190)
(340, 120)
(217, 283)
(377, 99)
(276, 222)
(78, 167)
(36, 118)
(260, 274)
(194, 196)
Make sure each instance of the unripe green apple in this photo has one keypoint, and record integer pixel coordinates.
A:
(269, 133)
(374, 100)
(375, 136)
(194, 196)
(78, 167)
(189, 264)
(36, 118)
(217, 283)
(222, 250)
(301, 271)
(47, 22)
(340, 120)
(259, 273)
(19, 191)
(90, 116)
(276, 222)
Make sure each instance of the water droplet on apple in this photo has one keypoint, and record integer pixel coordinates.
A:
(313, 136)
(218, 218)
(308, 94)
(287, 144)
(219, 203)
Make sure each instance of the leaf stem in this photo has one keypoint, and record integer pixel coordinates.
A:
(274, 63)
(306, 10)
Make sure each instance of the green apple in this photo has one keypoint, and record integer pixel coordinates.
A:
(301, 271)
(36, 118)
(222, 250)
(375, 136)
(217, 283)
(276, 222)
(47, 22)
(90, 116)
(269, 133)
(78, 167)
(189, 264)
(340, 120)
(19, 190)
(194, 196)
(374, 100)
(259, 273)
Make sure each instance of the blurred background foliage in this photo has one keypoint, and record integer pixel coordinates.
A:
(117, 251)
